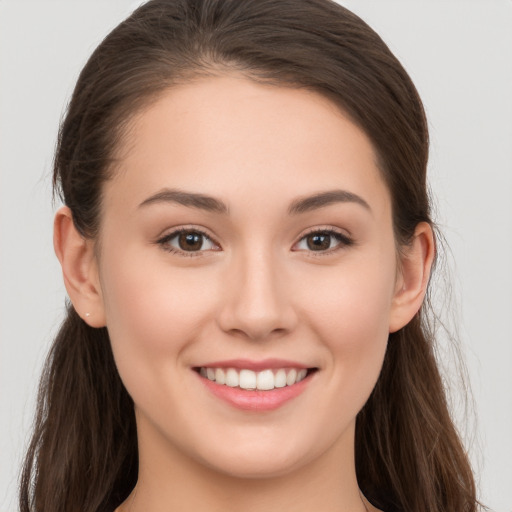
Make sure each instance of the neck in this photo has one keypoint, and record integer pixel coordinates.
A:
(170, 480)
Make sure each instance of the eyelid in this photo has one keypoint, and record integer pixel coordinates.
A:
(162, 240)
(345, 240)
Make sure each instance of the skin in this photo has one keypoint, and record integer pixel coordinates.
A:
(256, 291)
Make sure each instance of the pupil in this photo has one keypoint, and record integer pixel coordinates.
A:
(190, 241)
(319, 242)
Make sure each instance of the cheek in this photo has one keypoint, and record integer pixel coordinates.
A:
(351, 318)
(354, 302)
(153, 312)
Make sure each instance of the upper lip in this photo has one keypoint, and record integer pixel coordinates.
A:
(248, 364)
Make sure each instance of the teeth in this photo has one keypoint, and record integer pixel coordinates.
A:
(280, 379)
(265, 380)
(301, 374)
(291, 377)
(220, 376)
(232, 379)
(248, 379)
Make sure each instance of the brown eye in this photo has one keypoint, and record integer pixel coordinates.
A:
(187, 241)
(190, 241)
(323, 241)
(318, 241)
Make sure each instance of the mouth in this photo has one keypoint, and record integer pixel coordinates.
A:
(256, 387)
(250, 380)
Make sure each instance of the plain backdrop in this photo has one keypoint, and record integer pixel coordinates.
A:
(458, 52)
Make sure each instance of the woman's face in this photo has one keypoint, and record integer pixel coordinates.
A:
(247, 228)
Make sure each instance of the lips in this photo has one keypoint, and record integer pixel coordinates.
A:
(249, 385)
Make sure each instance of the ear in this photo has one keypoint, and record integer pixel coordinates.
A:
(79, 268)
(414, 273)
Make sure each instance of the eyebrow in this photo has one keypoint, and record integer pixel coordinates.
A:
(190, 199)
(316, 201)
(213, 205)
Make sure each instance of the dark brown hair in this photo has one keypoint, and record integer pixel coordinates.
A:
(83, 454)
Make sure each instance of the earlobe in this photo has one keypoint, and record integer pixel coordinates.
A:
(79, 268)
(416, 264)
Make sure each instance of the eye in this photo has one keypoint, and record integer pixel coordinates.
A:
(323, 241)
(187, 241)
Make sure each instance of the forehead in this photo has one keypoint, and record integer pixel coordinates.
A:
(237, 139)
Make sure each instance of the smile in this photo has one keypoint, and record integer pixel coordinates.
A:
(265, 380)
(256, 386)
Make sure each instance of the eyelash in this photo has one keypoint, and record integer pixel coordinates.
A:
(164, 241)
(343, 241)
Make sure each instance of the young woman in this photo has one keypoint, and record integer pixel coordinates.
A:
(246, 243)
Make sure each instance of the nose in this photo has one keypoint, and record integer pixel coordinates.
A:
(256, 304)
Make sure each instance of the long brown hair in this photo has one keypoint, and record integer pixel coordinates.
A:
(83, 454)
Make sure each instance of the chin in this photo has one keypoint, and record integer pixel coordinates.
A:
(265, 454)
(255, 465)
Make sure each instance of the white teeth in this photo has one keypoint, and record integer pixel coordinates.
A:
(250, 380)
(280, 379)
(220, 376)
(247, 379)
(265, 380)
(291, 377)
(301, 374)
(232, 378)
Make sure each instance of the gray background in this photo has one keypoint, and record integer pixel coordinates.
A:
(459, 53)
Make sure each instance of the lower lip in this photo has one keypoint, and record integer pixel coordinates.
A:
(255, 400)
